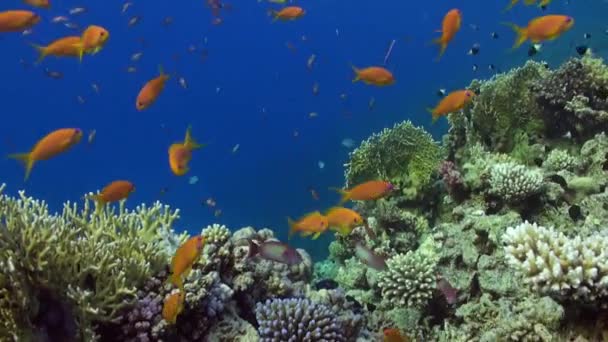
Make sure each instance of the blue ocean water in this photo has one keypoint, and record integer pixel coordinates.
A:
(251, 89)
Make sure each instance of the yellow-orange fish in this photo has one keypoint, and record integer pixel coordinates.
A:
(449, 27)
(180, 154)
(92, 40)
(38, 3)
(185, 256)
(288, 13)
(151, 90)
(48, 147)
(62, 47)
(368, 191)
(173, 306)
(543, 28)
(114, 192)
(453, 102)
(310, 224)
(374, 75)
(394, 335)
(17, 20)
(343, 220)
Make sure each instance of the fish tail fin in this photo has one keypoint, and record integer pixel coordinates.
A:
(189, 140)
(254, 249)
(292, 227)
(27, 161)
(434, 115)
(356, 71)
(42, 52)
(510, 6)
(521, 32)
(274, 14)
(442, 47)
(345, 195)
(162, 73)
(177, 281)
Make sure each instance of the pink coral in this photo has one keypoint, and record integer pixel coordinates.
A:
(451, 176)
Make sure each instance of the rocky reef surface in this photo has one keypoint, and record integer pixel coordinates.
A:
(497, 233)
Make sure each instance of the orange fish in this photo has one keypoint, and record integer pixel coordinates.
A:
(185, 256)
(309, 224)
(288, 13)
(49, 146)
(394, 335)
(449, 27)
(173, 306)
(38, 3)
(92, 41)
(151, 90)
(543, 28)
(114, 192)
(62, 47)
(180, 154)
(368, 191)
(373, 75)
(17, 21)
(514, 2)
(453, 102)
(343, 220)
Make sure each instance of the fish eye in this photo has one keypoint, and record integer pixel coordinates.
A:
(102, 33)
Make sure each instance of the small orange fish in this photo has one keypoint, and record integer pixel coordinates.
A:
(173, 306)
(453, 102)
(368, 191)
(92, 40)
(374, 75)
(343, 220)
(151, 90)
(309, 224)
(514, 2)
(449, 27)
(62, 47)
(543, 28)
(38, 3)
(185, 256)
(49, 146)
(180, 154)
(288, 13)
(394, 335)
(114, 192)
(17, 20)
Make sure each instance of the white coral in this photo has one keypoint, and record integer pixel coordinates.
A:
(555, 264)
(409, 280)
(558, 160)
(512, 181)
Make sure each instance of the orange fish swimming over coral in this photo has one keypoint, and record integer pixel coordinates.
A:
(343, 220)
(374, 75)
(92, 40)
(185, 256)
(151, 90)
(180, 154)
(17, 20)
(310, 224)
(173, 306)
(114, 192)
(543, 28)
(368, 191)
(288, 13)
(450, 25)
(62, 47)
(453, 102)
(49, 146)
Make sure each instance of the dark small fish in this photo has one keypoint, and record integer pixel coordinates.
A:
(449, 292)
(167, 21)
(494, 35)
(545, 64)
(134, 21)
(327, 284)
(474, 49)
(582, 50)
(357, 307)
(441, 92)
(275, 251)
(369, 258)
(371, 104)
(533, 49)
(587, 35)
(315, 89)
(475, 67)
(53, 74)
(492, 67)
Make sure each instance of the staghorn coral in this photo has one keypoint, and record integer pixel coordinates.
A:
(558, 160)
(405, 155)
(568, 268)
(92, 259)
(409, 280)
(297, 319)
(514, 182)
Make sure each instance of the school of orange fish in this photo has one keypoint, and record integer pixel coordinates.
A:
(341, 219)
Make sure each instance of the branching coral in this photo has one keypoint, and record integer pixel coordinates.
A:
(92, 259)
(513, 182)
(570, 268)
(297, 319)
(558, 160)
(405, 155)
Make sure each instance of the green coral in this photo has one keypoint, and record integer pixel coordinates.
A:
(92, 259)
(559, 160)
(405, 155)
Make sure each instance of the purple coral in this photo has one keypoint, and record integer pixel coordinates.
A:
(297, 320)
(452, 178)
